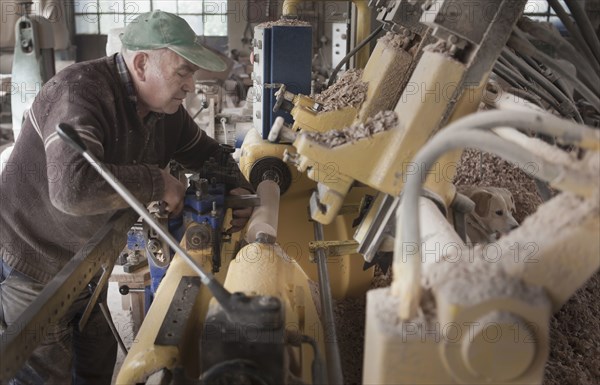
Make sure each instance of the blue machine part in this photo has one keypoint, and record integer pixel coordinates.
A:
(286, 59)
(136, 239)
(291, 64)
(266, 103)
(199, 209)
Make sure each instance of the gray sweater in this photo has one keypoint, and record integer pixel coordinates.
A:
(51, 200)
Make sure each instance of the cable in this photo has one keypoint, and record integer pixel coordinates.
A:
(318, 367)
(564, 47)
(507, 64)
(504, 74)
(515, 77)
(352, 53)
(572, 28)
(518, 43)
(585, 26)
(532, 98)
(556, 81)
(517, 89)
(546, 84)
(565, 131)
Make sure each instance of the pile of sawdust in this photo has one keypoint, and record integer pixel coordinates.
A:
(350, 326)
(575, 339)
(382, 121)
(284, 22)
(348, 91)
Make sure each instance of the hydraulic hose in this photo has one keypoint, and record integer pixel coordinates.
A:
(585, 26)
(518, 43)
(540, 79)
(572, 28)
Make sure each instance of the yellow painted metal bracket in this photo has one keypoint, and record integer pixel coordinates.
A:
(332, 248)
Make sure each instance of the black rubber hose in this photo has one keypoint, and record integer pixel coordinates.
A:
(518, 42)
(572, 28)
(513, 78)
(318, 367)
(585, 26)
(541, 80)
(586, 68)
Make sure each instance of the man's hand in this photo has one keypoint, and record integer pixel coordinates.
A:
(240, 215)
(174, 193)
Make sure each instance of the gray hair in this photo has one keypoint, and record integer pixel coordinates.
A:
(154, 54)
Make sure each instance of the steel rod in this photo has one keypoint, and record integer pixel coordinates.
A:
(112, 326)
(332, 351)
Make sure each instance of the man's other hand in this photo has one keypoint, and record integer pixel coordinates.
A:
(240, 215)
(174, 193)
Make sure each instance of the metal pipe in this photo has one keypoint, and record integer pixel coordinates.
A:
(363, 25)
(112, 326)
(332, 352)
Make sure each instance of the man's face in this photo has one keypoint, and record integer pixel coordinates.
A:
(169, 77)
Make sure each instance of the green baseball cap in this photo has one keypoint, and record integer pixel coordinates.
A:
(158, 29)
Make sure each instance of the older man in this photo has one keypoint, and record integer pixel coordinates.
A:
(128, 110)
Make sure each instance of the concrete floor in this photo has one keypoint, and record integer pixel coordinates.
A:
(122, 319)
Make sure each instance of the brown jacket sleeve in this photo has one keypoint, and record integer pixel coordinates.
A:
(90, 107)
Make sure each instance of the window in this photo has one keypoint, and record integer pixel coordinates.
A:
(206, 17)
(540, 10)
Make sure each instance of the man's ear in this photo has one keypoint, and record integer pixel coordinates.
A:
(140, 65)
(482, 202)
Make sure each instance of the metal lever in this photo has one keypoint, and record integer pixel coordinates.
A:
(70, 135)
(96, 294)
(106, 312)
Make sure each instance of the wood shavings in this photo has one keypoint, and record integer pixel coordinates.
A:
(484, 169)
(383, 121)
(394, 41)
(348, 91)
(441, 47)
(350, 326)
(284, 22)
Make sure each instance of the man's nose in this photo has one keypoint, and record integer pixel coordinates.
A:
(189, 84)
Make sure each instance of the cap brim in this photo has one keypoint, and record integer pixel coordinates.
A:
(200, 56)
